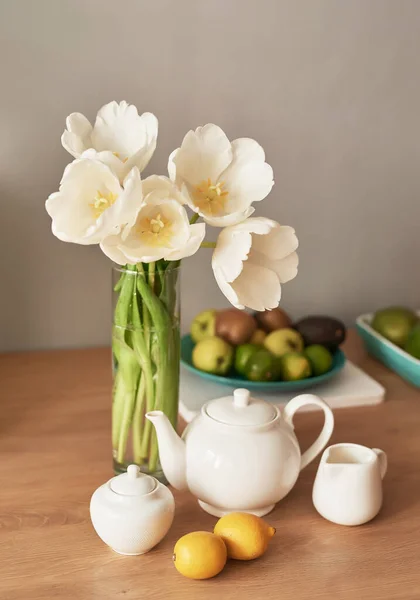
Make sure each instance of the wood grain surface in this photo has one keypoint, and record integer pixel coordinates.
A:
(55, 450)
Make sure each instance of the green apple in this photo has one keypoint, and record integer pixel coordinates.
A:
(394, 323)
(203, 325)
(213, 355)
(320, 358)
(283, 341)
(294, 366)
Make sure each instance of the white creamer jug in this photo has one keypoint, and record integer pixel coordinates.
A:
(348, 484)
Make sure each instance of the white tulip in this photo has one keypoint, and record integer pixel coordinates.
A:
(161, 229)
(222, 178)
(121, 137)
(251, 261)
(91, 204)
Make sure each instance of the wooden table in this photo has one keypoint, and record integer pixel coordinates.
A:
(55, 450)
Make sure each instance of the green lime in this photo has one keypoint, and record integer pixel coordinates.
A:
(242, 356)
(260, 366)
(320, 358)
(277, 368)
(294, 366)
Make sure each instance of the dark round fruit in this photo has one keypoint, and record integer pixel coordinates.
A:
(326, 331)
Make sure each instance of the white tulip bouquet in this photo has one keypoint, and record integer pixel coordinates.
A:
(143, 226)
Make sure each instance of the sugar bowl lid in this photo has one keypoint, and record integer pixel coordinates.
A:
(240, 409)
(133, 483)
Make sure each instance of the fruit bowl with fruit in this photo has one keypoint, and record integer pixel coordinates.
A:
(265, 350)
(392, 335)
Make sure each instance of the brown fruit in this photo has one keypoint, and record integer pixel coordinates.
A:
(235, 326)
(271, 320)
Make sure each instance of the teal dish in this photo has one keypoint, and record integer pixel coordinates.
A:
(386, 352)
(236, 380)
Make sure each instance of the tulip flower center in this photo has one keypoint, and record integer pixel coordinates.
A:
(157, 230)
(101, 202)
(210, 198)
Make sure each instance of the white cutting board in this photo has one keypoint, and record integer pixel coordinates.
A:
(351, 387)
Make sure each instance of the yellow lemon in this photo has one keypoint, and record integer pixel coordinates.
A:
(246, 536)
(200, 555)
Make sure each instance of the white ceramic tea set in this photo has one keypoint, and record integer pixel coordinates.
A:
(238, 454)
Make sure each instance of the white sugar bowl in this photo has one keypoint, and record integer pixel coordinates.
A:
(132, 512)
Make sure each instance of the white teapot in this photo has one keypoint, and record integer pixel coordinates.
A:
(239, 453)
(132, 512)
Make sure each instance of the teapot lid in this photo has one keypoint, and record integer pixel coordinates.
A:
(241, 409)
(133, 483)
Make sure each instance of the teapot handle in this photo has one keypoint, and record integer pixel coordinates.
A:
(322, 440)
(185, 413)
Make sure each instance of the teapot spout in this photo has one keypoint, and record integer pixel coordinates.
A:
(171, 450)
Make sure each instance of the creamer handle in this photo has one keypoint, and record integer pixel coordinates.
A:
(383, 461)
(322, 440)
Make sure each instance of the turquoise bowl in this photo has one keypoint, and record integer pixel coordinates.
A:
(388, 353)
(236, 380)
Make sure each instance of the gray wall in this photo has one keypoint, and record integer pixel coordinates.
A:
(330, 88)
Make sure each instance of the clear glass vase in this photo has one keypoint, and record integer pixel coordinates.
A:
(145, 349)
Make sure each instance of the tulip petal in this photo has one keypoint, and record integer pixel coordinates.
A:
(231, 251)
(229, 219)
(163, 188)
(247, 182)
(257, 287)
(119, 128)
(108, 158)
(204, 154)
(171, 165)
(281, 242)
(110, 247)
(287, 268)
(259, 225)
(247, 150)
(79, 124)
(142, 157)
(197, 234)
(76, 136)
(226, 288)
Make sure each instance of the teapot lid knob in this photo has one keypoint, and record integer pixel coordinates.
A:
(133, 471)
(241, 409)
(241, 397)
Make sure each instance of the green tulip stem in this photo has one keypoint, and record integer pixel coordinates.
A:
(146, 351)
